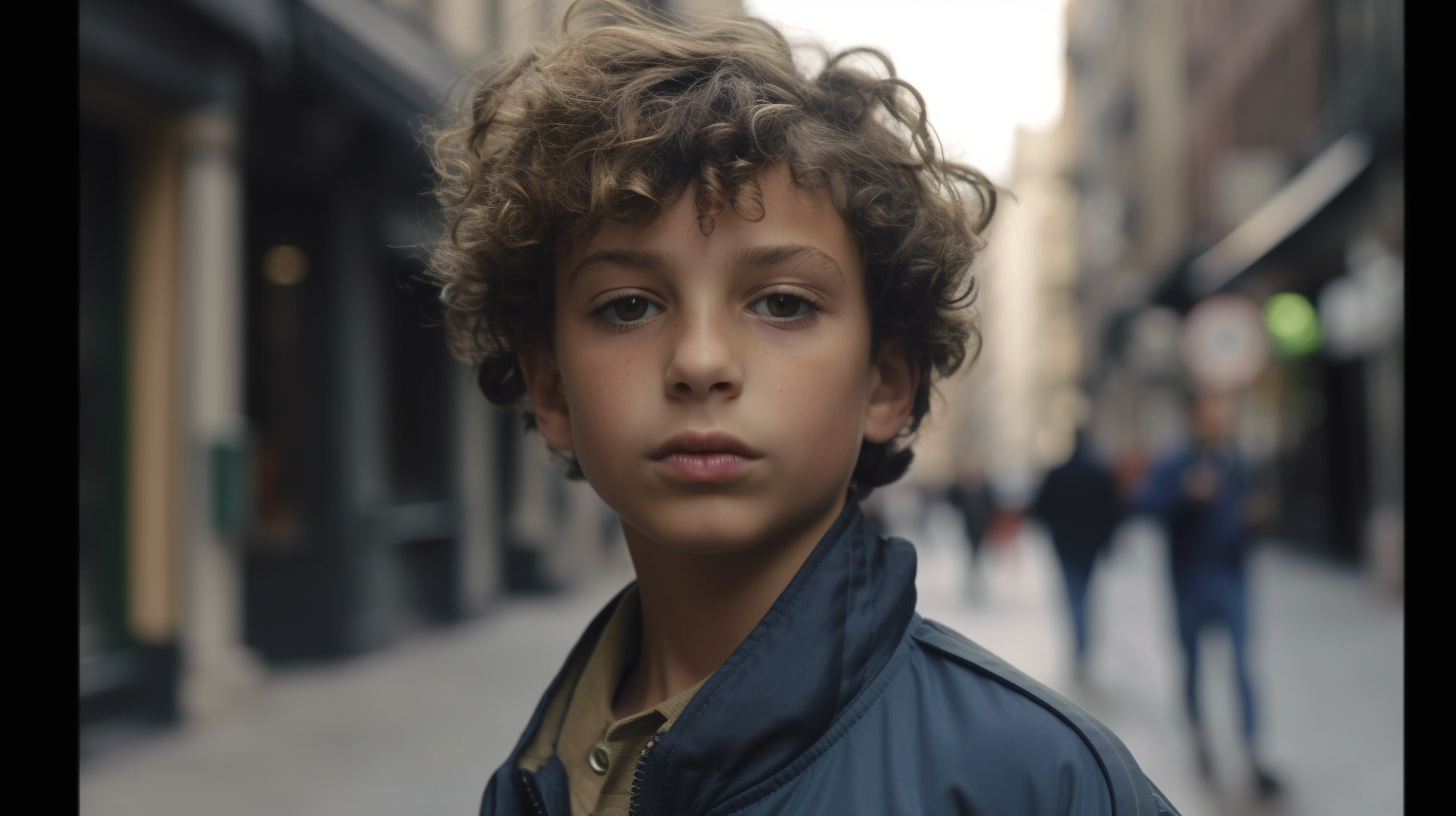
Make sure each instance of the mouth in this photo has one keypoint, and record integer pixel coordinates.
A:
(697, 456)
(704, 443)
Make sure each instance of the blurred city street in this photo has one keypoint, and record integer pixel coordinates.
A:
(324, 566)
(1328, 656)
(417, 728)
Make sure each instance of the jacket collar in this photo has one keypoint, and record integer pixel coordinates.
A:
(823, 641)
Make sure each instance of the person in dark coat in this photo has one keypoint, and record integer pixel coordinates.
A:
(1080, 505)
(1201, 491)
(971, 495)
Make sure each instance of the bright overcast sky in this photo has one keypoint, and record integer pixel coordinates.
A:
(983, 66)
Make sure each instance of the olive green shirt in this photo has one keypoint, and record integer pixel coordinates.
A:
(598, 751)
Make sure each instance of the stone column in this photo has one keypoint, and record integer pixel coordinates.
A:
(217, 668)
(475, 451)
(533, 519)
(361, 560)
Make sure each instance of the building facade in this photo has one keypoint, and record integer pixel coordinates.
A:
(1125, 113)
(1017, 409)
(1254, 148)
(279, 459)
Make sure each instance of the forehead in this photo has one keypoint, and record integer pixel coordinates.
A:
(792, 216)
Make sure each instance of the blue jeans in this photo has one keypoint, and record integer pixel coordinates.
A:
(1077, 575)
(1207, 597)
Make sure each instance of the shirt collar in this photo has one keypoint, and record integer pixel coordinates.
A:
(822, 642)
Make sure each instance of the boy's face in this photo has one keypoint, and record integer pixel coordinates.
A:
(716, 389)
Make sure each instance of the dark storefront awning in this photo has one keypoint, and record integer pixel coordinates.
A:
(383, 63)
(1294, 206)
(1275, 227)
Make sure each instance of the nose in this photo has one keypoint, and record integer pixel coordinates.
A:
(704, 362)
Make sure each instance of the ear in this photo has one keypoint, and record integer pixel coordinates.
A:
(894, 377)
(548, 402)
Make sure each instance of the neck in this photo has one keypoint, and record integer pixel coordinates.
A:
(697, 608)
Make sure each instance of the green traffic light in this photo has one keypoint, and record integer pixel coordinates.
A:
(1293, 324)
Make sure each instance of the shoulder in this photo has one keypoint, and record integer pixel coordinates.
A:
(1038, 734)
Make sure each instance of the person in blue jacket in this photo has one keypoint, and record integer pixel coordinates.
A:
(1202, 493)
(723, 287)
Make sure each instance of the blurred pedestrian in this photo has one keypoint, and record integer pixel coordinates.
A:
(1201, 492)
(971, 495)
(1131, 468)
(1080, 506)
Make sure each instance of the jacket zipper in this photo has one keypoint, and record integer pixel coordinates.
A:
(639, 778)
(533, 794)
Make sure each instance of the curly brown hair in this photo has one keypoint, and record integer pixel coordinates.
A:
(614, 120)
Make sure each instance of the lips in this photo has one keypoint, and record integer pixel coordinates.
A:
(704, 442)
(704, 457)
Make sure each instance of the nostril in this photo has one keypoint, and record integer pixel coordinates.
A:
(686, 388)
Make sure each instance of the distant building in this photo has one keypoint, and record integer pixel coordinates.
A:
(1253, 147)
(1018, 408)
(1126, 118)
(279, 460)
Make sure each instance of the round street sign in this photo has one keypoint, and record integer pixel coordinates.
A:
(1224, 342)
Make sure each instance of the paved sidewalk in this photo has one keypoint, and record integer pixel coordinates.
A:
(1327, 666)
(417, 728)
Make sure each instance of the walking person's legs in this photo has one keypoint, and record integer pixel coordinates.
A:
(976, 564)
(1077, 575)
(1189, 607)
(1234, 608)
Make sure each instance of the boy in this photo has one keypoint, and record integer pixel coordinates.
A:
(726, 290)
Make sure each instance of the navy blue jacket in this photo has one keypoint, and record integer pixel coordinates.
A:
(843, 700)
(1201, 534)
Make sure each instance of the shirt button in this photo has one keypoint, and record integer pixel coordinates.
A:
(598, 758)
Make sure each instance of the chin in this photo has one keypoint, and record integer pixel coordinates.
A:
(704, 526)
(719, 525)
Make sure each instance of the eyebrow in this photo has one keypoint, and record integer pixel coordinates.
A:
(764, 256)
(789, 253)
(637, 258)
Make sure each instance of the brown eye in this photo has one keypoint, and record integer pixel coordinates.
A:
(783, 306)
(628, 310)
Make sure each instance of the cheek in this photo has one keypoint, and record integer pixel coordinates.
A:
(823, 398)
(603, 397)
